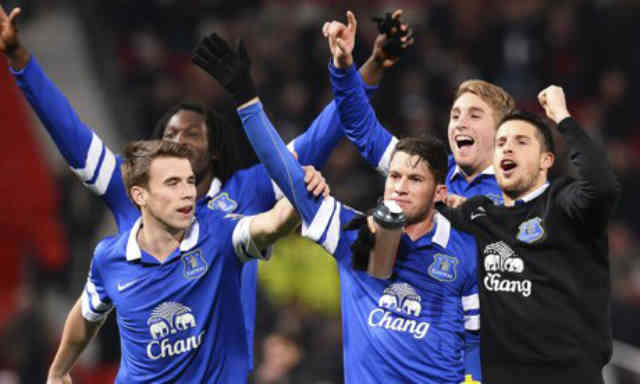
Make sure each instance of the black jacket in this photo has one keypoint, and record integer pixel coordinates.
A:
(543, 274)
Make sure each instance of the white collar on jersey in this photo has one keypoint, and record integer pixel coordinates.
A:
(535, 193)
(443, 230)
(488, 171)
(189, 241)
(216, 184)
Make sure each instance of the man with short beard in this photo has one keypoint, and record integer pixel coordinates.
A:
(543, 256)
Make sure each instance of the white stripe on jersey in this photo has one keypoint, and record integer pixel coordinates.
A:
(277, 192)
(470, 302)
(472, 322)
(91, 162)
(91, 299)
(315, 230)
(385, 160)
(330, 242)
(443, 230)
(105, 173)
(243, 244)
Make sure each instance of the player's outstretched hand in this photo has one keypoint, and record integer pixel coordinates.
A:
(342, 39)
(554, 103)
(8, 31)
(316, 183)
(231, 67)
(393, 40)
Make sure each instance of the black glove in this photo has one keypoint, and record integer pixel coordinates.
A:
(393, 45)
(231, 68)
(364, 242)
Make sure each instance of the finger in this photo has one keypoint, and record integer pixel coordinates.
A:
(351, 19)
(217, 45)
(14, 13)
(342, 45)
(308, 173)
(397, 13)
(3, 15)
(326, 191)
(319, 190)
(325, 29)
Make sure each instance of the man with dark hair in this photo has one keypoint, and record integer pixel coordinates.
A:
(173, 278)
(543, 256)
(476, 110)
(406, 328)
(223, 180)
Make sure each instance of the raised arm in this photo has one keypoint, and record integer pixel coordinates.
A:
(592, 196)
(77, 334)
(84, 151)
(361, 125)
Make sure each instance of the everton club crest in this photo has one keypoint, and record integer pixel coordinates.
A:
(443, 267)
(530, 230)
(223, 203)
(194, 264)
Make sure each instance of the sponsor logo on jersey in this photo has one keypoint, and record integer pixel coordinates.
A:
(443, 267)
(499, 260)
(194, 265)
(223, 203)
(531, 230)
(398, 310)
(168, 323)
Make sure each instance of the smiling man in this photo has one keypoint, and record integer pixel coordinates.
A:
(543, 267)
(474, 117)
(174, 278)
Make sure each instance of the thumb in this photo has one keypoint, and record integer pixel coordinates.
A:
(13, 15)
(352, 23)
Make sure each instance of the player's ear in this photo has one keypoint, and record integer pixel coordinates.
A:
(546, 160)
(138, 195)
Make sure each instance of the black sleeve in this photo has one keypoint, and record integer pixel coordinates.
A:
(459, 217)
(590, 198)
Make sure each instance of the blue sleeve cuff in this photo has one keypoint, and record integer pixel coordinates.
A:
(26, 67)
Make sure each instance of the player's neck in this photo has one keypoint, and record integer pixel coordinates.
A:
(203, 185)
(471, 173)
(420, 228)
(510, 199)
(157, 239)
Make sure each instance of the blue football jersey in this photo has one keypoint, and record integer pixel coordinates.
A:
(180, 320)
(407, 329)
(247, 192)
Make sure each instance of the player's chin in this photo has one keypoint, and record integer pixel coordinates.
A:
(182, 221)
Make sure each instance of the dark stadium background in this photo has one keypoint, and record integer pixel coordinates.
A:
(123, 63)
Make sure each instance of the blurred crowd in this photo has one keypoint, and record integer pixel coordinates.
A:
(143, 48)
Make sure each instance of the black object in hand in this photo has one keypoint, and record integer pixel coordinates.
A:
(232, 68)
(392, 28)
